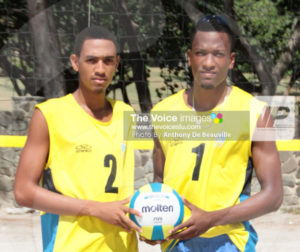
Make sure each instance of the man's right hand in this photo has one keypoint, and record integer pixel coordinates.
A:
(115, 213)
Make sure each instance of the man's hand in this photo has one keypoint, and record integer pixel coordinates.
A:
(115, 213)
(199, 223)
(150, 242)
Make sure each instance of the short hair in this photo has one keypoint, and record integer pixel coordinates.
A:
(93, 32)
(218, 23)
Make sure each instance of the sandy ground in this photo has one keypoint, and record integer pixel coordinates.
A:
(278, 232)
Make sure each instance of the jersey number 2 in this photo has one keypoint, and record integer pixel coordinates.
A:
(109, 188)
(199, 150)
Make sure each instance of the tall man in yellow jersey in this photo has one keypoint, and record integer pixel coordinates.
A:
(214, 175)
(76, 166)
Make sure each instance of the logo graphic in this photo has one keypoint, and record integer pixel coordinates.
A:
(157, 208)
(123, 147)
(83, 148)
(217, 118)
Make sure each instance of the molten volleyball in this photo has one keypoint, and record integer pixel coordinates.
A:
(161, 207)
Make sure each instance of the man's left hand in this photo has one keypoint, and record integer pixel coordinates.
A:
(199, 223)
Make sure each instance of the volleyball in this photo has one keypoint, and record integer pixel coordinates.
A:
(161, 207)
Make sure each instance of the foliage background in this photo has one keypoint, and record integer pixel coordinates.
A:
(152, 35)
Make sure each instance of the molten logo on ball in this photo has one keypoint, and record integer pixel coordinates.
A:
(157, 208)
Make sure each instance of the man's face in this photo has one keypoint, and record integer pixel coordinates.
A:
(96, 64)
(210, 58)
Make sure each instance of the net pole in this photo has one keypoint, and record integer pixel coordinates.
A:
(89, 14)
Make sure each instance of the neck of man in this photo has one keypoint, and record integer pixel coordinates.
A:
(203, 99)
(94, 103)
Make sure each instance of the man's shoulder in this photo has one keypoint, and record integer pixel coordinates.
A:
(246, 99)
(120, 105)
(171, 102)
(55, 103)
(241, 93)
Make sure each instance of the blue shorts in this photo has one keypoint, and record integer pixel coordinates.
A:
(220, 243)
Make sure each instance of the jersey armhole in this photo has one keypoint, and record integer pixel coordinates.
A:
(49, 158)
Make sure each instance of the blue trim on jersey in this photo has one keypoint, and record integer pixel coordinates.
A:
(49, 224)
(180, 217)
(252, 240)
(171, 246)
(157, 233)
(131, 205)
(156, 187)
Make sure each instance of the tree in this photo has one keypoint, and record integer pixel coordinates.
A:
(51, 80)
(11, 20)
(263, 29)
(137, 63)
(269, 28)
(286, 57)
(44, 71)
(151, 33)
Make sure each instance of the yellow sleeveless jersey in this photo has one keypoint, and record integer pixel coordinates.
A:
(213, 174)
(88, 159)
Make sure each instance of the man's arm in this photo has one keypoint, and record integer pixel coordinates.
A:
(267, 167)
(29, 193)
(158, 161)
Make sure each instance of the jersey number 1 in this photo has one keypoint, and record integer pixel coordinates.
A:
(199, 150)
(109, 188)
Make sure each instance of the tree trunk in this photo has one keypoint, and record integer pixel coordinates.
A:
(286, 57)
(190, 8)
(235, 74)
(240, 81)
(49, 70)
(228, 7)
(262, 69)
(138, 64)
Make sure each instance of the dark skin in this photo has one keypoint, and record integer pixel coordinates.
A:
(96, 65)
(210, 59)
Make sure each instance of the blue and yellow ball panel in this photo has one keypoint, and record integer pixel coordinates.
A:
(161, 207)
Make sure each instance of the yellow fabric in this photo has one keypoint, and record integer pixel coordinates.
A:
(223, 167)
(19, 142)
(79, 146)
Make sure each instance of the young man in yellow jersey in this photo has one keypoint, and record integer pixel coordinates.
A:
(76, 166)
(214, 175)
